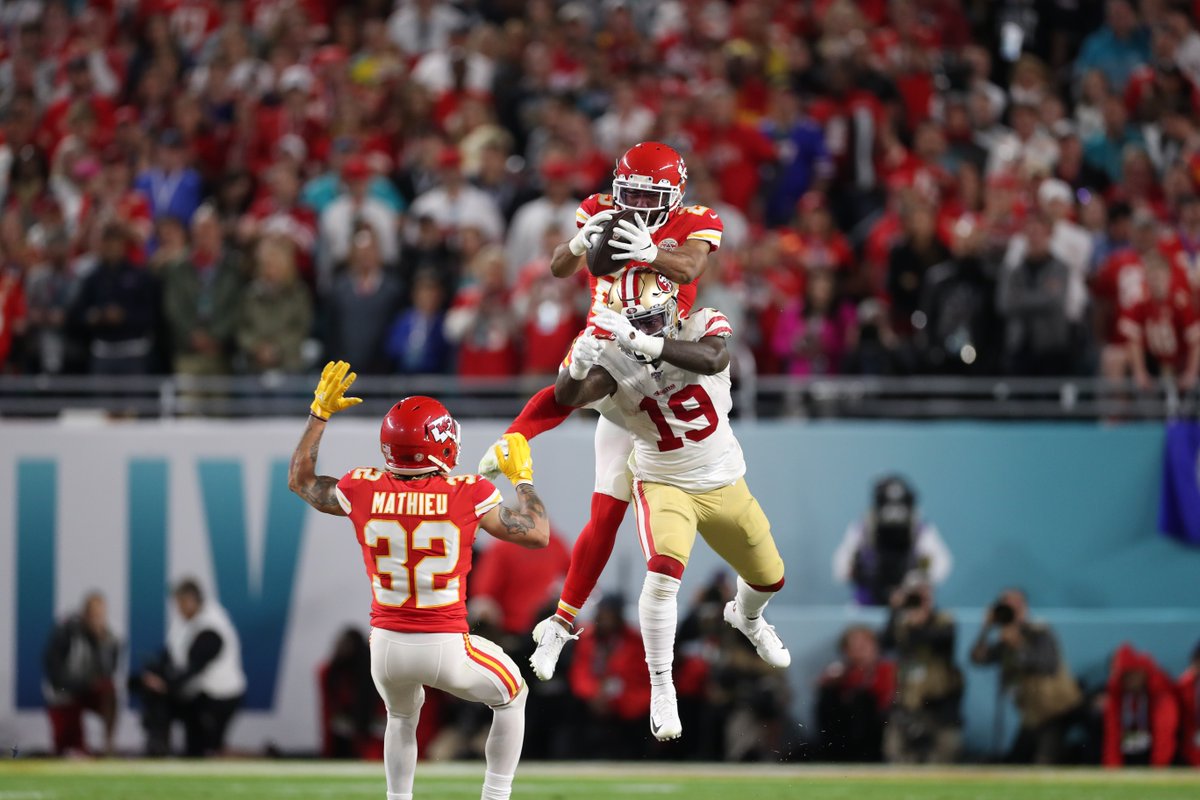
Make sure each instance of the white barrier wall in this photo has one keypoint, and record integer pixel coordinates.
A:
(1067, 511)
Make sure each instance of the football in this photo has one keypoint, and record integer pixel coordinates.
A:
(600, 254)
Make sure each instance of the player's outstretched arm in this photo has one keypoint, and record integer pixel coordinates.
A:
(705, 357)
(568, 257)
(525, 523)
(320, 491)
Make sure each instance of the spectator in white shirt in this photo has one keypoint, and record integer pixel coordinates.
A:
(339, 220)
(626, 122)
(419, 26)
(455, 203)
(555, 208)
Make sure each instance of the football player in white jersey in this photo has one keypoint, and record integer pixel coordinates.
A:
(667, 382)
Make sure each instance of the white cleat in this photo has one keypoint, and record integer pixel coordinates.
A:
(550, 637)
(664, 713)
(768, 644)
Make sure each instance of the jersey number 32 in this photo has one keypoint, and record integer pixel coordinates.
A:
(396, 580)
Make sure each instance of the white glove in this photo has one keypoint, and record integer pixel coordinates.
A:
(489, 466)
(629, 338)
(582, 242)
(585, 352)
(635, 241)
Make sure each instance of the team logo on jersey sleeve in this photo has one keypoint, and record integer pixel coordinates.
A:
(443, 429)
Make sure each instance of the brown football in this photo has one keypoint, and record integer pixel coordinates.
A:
(600, 254)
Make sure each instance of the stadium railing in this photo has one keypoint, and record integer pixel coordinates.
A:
(755, 396)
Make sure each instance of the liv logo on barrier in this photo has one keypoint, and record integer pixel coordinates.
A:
(258, 608)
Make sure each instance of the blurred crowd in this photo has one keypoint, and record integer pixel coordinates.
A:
(907, 186)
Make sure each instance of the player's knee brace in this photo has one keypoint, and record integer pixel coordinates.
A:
(665, 565)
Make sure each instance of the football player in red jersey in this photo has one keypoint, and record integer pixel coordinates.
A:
(416, 523)
(671, 239)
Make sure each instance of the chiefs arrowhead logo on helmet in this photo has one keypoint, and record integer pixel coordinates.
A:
(442, 429)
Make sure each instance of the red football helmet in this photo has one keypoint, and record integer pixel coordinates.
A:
(650, 178)
(419, 436)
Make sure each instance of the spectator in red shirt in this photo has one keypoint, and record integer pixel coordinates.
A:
(549, 309)
(12, 311)
(1162, 332)
(482, 322)
(1189, 707)
(608, 674)
(1141, 712)
(853, 697)
(732, 149)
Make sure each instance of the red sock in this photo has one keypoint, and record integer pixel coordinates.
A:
(540, 414)
(591, 553)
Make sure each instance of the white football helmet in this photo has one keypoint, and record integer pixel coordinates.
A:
(649, 301)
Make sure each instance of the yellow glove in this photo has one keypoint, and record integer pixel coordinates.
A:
(331, 391)
(513, 458)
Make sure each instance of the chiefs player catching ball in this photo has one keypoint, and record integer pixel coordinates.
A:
(674, 241)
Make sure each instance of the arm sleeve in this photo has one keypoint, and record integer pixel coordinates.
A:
(1166, 729)
(486, 496)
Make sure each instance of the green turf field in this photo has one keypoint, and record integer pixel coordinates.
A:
(306, 780)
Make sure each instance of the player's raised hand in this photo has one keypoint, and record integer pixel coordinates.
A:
(513, 458)
(330, 395)
(489, 467)
(635, 240)
(585, 352)
(629, 338)
(582, 242)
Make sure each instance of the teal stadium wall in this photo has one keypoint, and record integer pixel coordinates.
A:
(1067, 511)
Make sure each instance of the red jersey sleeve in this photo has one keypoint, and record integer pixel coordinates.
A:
(484, 496)
(591, 206)
(352, 488)
(701, 222)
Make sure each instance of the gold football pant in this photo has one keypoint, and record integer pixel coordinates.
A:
(729, 519)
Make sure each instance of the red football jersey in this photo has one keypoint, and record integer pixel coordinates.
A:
(1122, 281)
(687, 222)
(1166, 328)
(416, 538)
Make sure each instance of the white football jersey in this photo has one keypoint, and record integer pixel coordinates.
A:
(679, 420)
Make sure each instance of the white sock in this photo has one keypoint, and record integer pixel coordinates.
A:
(496, 787)
(658, 615)
(503, 747)
(400, 751)
(751, 601)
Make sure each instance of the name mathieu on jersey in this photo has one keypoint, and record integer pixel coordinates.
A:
(416, 538)
(688, 222)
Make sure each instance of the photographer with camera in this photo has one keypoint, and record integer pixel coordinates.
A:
(924, 725)
(1032, 667)
(888, 543)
